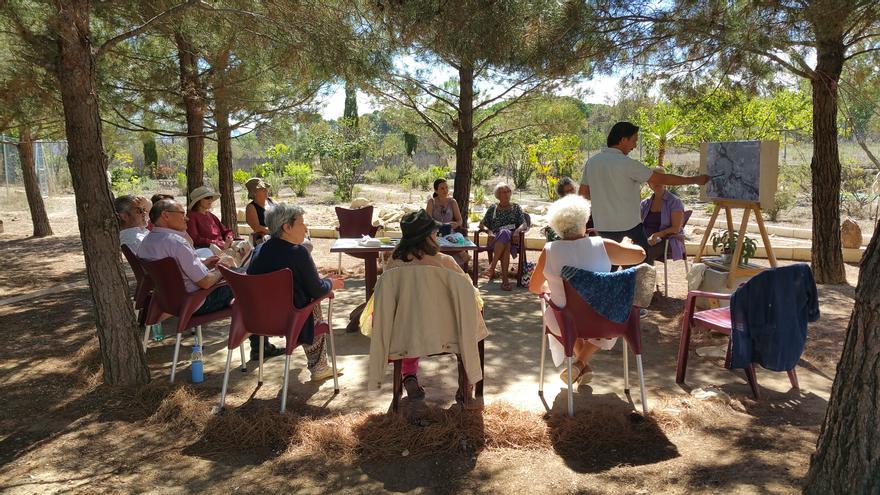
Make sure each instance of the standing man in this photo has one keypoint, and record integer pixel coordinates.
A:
(612, 181)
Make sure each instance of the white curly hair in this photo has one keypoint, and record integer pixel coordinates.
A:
(568, 216)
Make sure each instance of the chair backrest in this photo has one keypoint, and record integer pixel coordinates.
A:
(687, 216)
(169, 292)
(588, 324)
(264, 303)
(144, 283)
(355, 223)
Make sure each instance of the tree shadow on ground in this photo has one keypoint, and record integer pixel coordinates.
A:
(604, 433)
(20, 255)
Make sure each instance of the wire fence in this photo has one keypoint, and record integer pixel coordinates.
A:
(50, 160)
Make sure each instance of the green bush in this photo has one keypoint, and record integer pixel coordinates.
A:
(440, 171)
(521, 171)
(240, 176)
(124, 180)
(262, 170)
(482, 171)
(181, 183)
(298, 176)
(386, 174)
(418, 179)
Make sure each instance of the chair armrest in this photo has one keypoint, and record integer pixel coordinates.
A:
(545, 296)
(713, 295)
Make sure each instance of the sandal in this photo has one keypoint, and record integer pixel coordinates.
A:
(586, 375)
(506, 286)
(577, 368)
(413, 389)
(489, 273)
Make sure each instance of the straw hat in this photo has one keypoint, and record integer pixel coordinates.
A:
(201, 193)
(255, 183)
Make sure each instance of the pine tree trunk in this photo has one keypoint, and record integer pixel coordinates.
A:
(224, 164)
(32, 183)
(194, 102)
(847, 458)
(464, 148)
(827, 256)
(118, 332)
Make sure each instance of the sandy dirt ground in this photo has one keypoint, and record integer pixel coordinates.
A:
(64, 432)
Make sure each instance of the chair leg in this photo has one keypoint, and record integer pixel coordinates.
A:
(339, 265)
(225, 379)
(174, 359)
(243, 362)
(570, 390)
(146, 335)
(397, 388)
(284, 387)
(683, 348)
(199, 340)
(332, 345)
(260, 371)
(792, 377)
(752, 378)
(481, 348)
(642, 390)
(625, 367)
(541, 369)
(666, 276)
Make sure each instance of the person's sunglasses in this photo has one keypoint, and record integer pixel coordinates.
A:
(140, 210)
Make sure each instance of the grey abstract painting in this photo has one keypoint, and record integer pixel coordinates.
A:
(735, 168)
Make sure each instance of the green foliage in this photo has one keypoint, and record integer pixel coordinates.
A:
(240, 176)
(440, 171)
(386, 174)
(410, 141)
(788, 185)
(124, 180)
(262, 170)
(298, 176)
(181, 183)
(479, 193)
(151, 155)
(419, 179)
(553, 158)
(856, 196)
(340, 150)
(727, 242)
(482, 171)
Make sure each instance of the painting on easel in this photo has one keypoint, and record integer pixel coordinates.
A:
(741, 170)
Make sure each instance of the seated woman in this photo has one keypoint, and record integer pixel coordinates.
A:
(255, 211)
(284, 250)
(662, 216)
(445, 210)
(564, 187)
(419, 246)
(505, 220)
(203, 226)
(568, 216)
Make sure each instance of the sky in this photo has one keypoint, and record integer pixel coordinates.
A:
(600, 90)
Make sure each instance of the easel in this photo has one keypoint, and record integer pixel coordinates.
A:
(735, 269)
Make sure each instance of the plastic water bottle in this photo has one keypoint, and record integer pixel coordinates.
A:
(197, 367)
(156, 332)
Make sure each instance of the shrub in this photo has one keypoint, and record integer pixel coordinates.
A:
(262, 170)
(181, 182)
(418, 179)
(386, 174)
(482, 171)
(479, 193)
(440, 171)
(298, 176)
(782, 202)
(240, 176)
(521, 171)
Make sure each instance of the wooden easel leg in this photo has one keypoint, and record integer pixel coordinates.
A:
(764, 237)
(729, 215)
(734, 261)
(707, 234)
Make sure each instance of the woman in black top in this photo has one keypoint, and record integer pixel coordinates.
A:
(255, 211)
(285, 250)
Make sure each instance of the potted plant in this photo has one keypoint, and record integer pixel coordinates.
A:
(726, 241)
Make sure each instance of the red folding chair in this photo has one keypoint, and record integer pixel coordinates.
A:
(716, 320)
(667, 254)
(578, 320)
(142, 292)
(263, 306)
(170, 296)
(521, 257)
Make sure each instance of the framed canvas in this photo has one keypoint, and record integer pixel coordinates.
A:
(740, 170)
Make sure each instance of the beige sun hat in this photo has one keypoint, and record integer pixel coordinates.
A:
(201, 193)
(255, 183)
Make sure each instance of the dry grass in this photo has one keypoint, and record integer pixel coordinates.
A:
(89, 371)
(686, 414)
(182, 411)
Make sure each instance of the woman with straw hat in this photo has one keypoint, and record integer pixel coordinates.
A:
(255, 211)
(203, 226)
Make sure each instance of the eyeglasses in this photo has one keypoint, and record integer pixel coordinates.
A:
(140, 210)
(176, 211)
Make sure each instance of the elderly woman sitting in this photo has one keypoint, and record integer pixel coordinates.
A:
(505, 220)
(285, 250)
(662, 217)
(568, 217)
